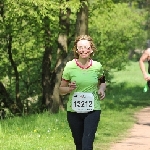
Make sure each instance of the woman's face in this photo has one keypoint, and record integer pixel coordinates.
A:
(84, 49)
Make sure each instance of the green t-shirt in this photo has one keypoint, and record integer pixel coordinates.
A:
(86, 80)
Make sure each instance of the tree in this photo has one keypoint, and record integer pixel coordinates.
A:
(82, 18)
(113, 34)
(46, 64)
(64, 24)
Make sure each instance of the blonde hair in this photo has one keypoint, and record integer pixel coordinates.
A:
(83, 37)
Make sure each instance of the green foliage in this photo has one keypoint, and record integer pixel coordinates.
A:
(116, 32)
(24, 21)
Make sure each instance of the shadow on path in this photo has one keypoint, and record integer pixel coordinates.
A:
(120, 96)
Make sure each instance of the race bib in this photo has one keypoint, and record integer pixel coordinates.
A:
(82, 102)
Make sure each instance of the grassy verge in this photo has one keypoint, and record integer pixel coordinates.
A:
(47, 131)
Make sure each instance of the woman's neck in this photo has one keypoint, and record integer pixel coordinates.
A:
(83, 61)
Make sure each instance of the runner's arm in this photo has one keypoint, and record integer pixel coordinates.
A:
(101, 87)
(141, 63)
(66, 87)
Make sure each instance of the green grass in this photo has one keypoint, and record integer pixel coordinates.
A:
(37, 132)
(124, 96)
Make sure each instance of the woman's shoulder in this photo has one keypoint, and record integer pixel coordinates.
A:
(70, 63)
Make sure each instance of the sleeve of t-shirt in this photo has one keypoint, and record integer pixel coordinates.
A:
(66, 73)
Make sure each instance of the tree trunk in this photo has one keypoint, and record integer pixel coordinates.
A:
(46, 65)
(18, 103)
(61, 61)
(82, 19)
(5, 99)
(2, 8)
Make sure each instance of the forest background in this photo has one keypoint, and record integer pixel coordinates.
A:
(36, 40)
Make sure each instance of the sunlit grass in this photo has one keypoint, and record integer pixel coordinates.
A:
(41, 131)
(124, 96)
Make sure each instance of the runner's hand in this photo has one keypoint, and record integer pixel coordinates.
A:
(72, 86)
(101, 93)
(146, 77)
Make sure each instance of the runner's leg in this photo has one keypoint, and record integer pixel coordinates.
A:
(90, 128)
(76, 124)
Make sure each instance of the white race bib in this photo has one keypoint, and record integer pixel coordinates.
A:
(82, 102)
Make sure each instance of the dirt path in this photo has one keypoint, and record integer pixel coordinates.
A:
(139, 135)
